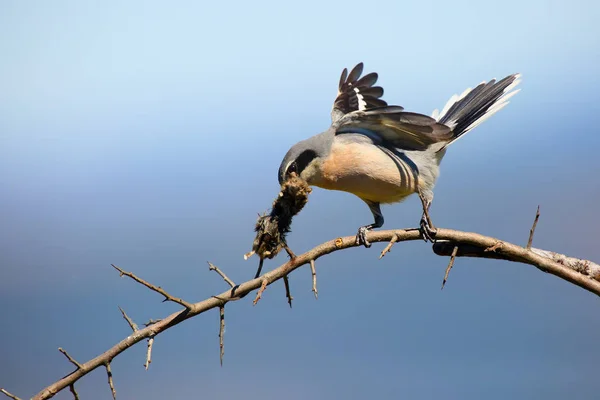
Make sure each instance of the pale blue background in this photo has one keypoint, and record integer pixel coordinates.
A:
(149, 135)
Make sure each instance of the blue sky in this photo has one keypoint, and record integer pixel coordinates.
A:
(149, 136)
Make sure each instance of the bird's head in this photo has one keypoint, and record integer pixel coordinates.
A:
(304, 157)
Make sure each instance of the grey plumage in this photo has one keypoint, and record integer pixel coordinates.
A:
(382, 153)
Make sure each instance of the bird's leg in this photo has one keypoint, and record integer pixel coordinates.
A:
(289, 251)
(361, 236)
(428, 231)
(260, 265)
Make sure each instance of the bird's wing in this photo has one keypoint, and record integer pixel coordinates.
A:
(356, 93)
(402, 129)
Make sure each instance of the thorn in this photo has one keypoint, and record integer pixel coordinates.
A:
(532, 230)
(71, 359)
(450, 265)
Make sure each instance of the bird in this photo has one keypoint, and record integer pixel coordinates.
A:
(382, 153)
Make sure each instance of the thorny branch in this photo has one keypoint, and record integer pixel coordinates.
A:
(132, 324)
(212, 267)
(157, 289)
(71, 359)
(582, 273)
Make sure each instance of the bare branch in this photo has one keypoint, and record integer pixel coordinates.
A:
(157, 289)
(8, 394)
(314, 278)
(263, 286)
(71, 359)
(450, 265)
(221, 333)
(584, 267)
(149, 352)
(532, 230)
(132, 324)
(286, 282)
(72, 389)
(110, 381)
(218, 271)
(582, 273)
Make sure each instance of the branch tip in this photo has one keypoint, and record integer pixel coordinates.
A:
(71, 359)
(263, 286)
(8, 394)
(213, 267)
(132, 324)
(221, 333)
(532, 230)
(110, 380)
(388, 248)
(74, 392)
(314, 278)
(450, 265)
(154, 288)
(149, 352)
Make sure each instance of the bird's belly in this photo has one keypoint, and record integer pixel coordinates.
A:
(368, 172)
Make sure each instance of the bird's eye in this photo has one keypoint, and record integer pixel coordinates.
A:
(293, 168)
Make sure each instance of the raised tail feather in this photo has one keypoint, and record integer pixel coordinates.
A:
(464, 112)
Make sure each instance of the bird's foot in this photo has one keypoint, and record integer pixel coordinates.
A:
(361, 237)
(428, 231)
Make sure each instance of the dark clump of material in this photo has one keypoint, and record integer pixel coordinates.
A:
(271, 229)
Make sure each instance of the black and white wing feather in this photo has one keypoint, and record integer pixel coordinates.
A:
(356, 93)
(401, 129)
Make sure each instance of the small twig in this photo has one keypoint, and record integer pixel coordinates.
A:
(72, 389)
(388, 248)
(71, 359)
(149, 352)
(288, 294)
(157, 289)
(263, 286)
(221, 333)
(8, 394)
(450, 265)
(132, 324)
(532, 230)
(213, 267)
(152, 322)
(314, 278)
(110, 381)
